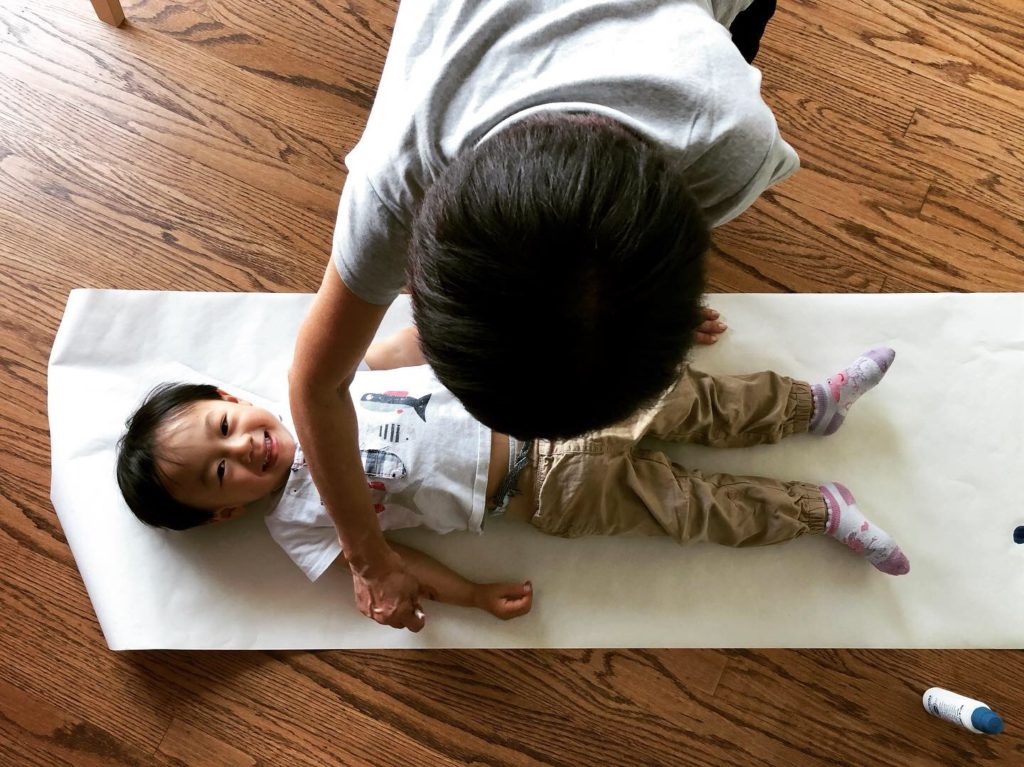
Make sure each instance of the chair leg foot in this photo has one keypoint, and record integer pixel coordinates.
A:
(109, 11)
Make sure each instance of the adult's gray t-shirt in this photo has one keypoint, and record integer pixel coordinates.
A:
(459, 71)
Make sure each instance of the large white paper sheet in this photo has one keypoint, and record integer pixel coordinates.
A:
(934, 456)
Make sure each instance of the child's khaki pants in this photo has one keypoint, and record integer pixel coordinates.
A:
(603, 484)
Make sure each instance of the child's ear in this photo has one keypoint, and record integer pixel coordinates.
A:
(232, 398)
(227, 513)
(227, 397)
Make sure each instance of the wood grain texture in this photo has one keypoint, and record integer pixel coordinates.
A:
(200, 146)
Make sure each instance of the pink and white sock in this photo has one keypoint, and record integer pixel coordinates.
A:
(832, 399)
(848, 525)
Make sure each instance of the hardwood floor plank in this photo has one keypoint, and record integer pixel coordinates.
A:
(262, 140)
(46, 720)
(1000, 20)
(37, 733)
(856, 153)
(729, 273)
(963, 60)
(994, 153)
(966, 215)
(847, 71)
(332, 48)
(980, 264)
(582, 701)
(890, 243)
(192, 746)
(277, 727)
(192, 227)
(799, 248)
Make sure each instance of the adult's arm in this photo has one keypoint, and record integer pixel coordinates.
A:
(333, 338)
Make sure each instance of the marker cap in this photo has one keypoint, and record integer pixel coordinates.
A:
(987, 720)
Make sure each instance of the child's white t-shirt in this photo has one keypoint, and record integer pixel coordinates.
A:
(425, 460)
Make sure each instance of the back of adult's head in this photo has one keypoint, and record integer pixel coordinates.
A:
(556, 273)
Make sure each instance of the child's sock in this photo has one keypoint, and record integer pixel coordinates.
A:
(832, 399)
(848, 525)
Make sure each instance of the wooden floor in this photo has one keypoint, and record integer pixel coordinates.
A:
(200, 147)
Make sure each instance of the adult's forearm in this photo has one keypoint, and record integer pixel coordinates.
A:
(326, 424)
(333, 337)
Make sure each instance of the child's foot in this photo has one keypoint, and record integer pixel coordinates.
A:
(505, 600)
(832, 399)
(848, 525)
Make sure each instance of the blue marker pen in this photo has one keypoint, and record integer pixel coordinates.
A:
(970, 714)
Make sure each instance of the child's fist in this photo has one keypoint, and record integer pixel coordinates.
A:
(505, 600)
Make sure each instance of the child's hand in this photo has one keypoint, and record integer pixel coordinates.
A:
(711, 328)
(505, 600)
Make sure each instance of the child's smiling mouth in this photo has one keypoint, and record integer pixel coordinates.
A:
(269, 451)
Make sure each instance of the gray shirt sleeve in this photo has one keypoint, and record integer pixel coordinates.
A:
(780, 162)
(726, 11)
(370, 242)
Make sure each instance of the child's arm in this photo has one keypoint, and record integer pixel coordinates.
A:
(442, 584)
(399, 350)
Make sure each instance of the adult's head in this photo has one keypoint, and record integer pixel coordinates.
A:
(556, 272)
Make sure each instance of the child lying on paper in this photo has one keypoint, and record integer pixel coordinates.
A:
(195, 454)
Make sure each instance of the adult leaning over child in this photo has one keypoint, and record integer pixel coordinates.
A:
(544, 176)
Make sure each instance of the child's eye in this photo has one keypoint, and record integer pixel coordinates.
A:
(224, 426)
(220, 472)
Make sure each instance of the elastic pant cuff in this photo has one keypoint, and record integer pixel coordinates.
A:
(813, 511)
(801, 407)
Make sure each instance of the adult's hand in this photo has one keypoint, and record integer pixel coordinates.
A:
(711, 328)
(390, 597)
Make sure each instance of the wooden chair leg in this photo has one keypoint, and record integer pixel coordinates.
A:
(109, 11)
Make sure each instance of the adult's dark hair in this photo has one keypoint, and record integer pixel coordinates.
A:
(138, 456)
(557, 272)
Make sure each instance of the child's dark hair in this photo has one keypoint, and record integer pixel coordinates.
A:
(557, 272)
(138, 472)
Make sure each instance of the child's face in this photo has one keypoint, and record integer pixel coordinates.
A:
(223, 454)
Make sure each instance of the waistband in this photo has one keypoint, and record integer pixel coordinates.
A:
(518, 459)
